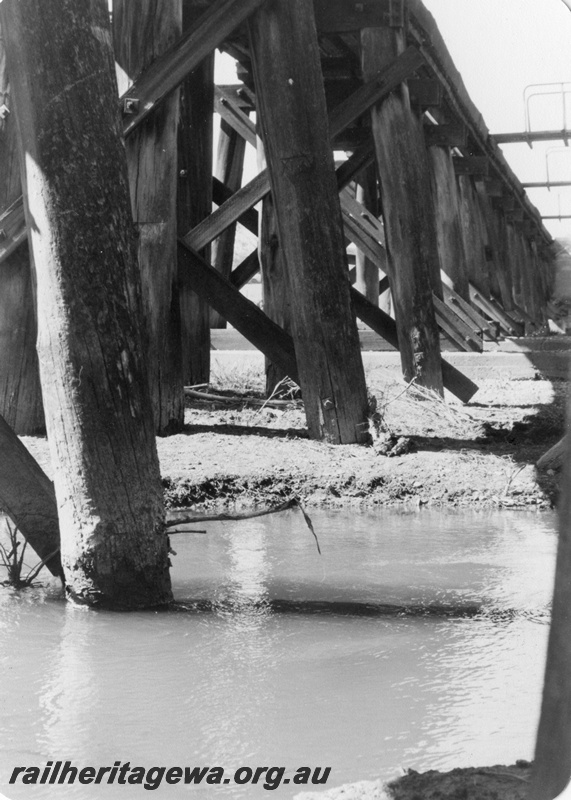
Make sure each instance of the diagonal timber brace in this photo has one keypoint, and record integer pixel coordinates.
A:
(240, 312)
(27, 495)
(360, 101)
(12, 229)
(457, 383)
(273, 341)
(169, 70)
(246, 198)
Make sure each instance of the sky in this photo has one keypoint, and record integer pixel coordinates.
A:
(500, 47)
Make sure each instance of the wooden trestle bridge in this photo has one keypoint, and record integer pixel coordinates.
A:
(446, 238)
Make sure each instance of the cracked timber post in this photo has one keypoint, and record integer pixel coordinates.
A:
(413, 261)
(293, 117)
(141, 32)
(275, 295)
(90, 335)
(194, 200)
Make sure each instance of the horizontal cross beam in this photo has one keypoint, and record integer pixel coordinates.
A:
(545, 184)
(337, 16)
(527, 137)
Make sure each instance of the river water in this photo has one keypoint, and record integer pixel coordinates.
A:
(415, 640)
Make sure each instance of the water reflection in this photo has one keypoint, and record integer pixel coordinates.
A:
(240, 684)
(71, 689)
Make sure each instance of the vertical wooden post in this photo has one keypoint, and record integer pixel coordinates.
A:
(448, 221)
(275, 288)
(229, 169)
(492, 284)
(20, 392)
(540, 285)
(552, 763)
(141, 32)
(496, 227)
(515, 265)
(531, 297)
(90, 337)
(293, 116)
(194, 200)
(366, 271)
(414, 266)
(474, 234)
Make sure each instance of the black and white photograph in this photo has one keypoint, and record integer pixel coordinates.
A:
(285, 337)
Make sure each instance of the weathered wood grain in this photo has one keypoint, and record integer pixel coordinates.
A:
(293, 118)
(276, 299)
(90, 341)
(410, 228)
(448, 219)
(221, 193)
(230, 111)
(141, 34)
(476, 320)
(379, 321)
(339, 16)
(194, 201)
(495, 311)
(364, 211)
(240, 312)
(382, 83)
(20, 391)
(199, 41)
(229, 212)
(497, 280)
(245, 270)
(455, 327)
(476, 243)
(552, 762)
(27, 495)
(229, 169)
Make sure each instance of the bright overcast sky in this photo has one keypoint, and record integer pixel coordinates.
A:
(500, 47)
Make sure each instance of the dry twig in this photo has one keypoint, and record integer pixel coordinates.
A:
(239, 400)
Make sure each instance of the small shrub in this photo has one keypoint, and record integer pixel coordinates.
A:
(12, 559)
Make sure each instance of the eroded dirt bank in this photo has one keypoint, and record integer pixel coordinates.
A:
(480, 783)
(426, 452)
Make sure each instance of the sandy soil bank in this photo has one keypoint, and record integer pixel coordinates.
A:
(425, 452)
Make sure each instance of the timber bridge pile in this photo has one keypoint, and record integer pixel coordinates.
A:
(112, 257)
(446, 238)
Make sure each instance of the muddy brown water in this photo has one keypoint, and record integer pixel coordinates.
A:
(415, 640)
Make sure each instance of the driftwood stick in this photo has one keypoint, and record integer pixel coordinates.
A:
(223, 516)
(237, 400)
(186, 519)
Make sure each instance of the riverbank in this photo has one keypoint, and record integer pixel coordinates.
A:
(483, 783)
(425, 452)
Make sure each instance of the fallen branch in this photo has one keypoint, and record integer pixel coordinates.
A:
(293, 502)
(287, 381)
(238, 400)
